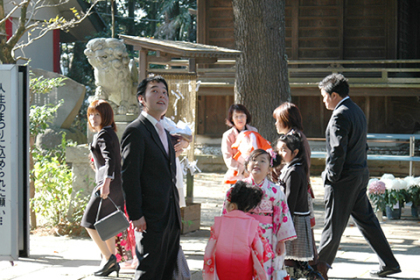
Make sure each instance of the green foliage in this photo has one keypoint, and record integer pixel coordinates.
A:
(392, 197)
(414, 195)
(177, 22)
(40, 116)
(53, 188)
(43, 85)
(52, 178)
(379, 201)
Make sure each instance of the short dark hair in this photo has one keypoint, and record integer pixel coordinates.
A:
(289, 114)
(245, 196)
(106, 112)
(238, 108)
(335, 83)
(141, 88)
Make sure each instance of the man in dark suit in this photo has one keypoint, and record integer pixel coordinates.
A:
(149, 178)
(345, 179)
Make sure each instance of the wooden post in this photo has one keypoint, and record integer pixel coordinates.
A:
(295, 32)
(142, 64)
(190, 187)
(192, 66)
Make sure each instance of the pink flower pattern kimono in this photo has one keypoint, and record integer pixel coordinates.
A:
(236, 249)
(275, 221)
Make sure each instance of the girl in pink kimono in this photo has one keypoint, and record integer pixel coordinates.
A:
(272, 213)
(236, 249)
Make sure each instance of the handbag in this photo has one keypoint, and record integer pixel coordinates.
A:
(112, 224)
(181, 271)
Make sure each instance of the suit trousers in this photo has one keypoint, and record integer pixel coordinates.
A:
(342, 199)
(157, 252)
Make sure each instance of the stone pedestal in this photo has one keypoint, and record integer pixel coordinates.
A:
(83, 174)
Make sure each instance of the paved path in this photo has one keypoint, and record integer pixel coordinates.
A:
(76, 258)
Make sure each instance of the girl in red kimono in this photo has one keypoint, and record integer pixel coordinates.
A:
(273, 213)
(236, 249)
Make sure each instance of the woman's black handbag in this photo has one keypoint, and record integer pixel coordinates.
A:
(111, 225)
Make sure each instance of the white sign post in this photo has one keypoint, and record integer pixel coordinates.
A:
(13, 158)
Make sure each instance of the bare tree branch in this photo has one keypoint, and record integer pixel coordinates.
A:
(17, 6)
(26, 24)
(63, 25)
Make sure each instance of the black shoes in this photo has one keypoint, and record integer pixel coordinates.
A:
(385, 271)
(109, 267)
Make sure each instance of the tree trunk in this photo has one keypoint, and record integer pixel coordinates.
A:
(112, 19)
(5, 51)
(262, 81)
(152, 14)
(131, 15)
(6, 46)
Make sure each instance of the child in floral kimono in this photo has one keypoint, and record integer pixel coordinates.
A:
(272, 213)
(236, 249)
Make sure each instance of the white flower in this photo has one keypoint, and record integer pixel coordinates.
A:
(387, 176)
(389, 183)
(417, 181)
(402, 184)
(410, 181)
(395, 184)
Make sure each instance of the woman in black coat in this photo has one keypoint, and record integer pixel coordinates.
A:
(105, 151)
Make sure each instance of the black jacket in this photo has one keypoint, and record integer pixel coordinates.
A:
(346, 142)
(149, 175)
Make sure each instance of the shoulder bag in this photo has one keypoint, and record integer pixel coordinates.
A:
(112, 224)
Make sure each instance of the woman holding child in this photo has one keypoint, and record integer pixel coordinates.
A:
(238, 119)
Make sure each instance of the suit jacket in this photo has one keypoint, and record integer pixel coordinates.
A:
(105, 150)
(346, 142)
(149, 175)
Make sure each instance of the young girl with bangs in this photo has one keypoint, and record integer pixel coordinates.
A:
(293, 179)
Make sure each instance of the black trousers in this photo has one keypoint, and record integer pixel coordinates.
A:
(157, 252)
(342, 199)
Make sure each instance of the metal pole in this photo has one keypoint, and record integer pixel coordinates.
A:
(411, 153)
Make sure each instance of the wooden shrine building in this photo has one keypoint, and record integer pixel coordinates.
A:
(374, 43)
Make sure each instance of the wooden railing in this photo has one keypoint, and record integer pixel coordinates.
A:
(363, 73)
(308, 73)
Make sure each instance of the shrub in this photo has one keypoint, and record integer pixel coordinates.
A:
(53, 188)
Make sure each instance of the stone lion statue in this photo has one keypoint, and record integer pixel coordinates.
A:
(115, 74)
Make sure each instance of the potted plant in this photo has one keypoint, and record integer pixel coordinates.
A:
(376, 189)
(414, 196)
(395, 195)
